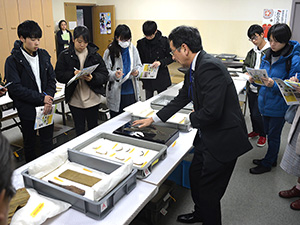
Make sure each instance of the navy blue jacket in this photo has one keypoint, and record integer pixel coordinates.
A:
(24, 91)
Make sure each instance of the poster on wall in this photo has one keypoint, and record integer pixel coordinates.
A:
(105, 22)
(273, 16)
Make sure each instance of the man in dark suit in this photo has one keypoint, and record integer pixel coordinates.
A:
(222, 134)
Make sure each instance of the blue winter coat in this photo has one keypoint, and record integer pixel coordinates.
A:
(270, 100)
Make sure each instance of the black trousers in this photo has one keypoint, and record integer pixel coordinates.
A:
(209, 179)
(150, 93)
(126, 100)
(255, 116)
(83, 115)
(29, 139)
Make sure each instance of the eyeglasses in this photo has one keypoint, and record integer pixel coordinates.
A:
(254, 38)
(172, 52)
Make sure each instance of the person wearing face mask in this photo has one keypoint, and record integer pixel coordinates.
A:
(123, 64)
(84, 94)
(280, 61)
(63, 37)
(154, 49)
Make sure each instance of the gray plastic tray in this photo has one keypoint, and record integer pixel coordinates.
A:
(97, 210)
(163, 100)
(142, 172)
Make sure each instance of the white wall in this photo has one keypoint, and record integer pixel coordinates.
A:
(223, 24)
(194, 9)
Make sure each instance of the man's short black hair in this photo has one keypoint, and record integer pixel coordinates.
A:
(149, 28)
(82, 31)
(187, 35)
(6, 167)
(255, 29)
(281, 32)
(29, 29)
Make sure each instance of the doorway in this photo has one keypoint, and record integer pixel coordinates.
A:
(84, 18)
(90, 16)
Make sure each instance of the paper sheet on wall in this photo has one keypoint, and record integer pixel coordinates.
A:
(72, 25)
(273, 16)
(42, 120)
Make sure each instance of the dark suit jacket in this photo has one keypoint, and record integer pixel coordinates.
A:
(217, 112)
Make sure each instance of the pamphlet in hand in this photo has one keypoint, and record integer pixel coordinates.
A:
(148, 72)
(289, 94)
(291, 84)
(84, 71)
(257, 74)
(42, 120)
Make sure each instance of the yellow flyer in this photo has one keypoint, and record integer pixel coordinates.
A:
(42, 120)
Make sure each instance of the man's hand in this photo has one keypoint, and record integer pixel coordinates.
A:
(143, 123)
(250, 79)
(48, 99)
(155, 64)
(47, 108)
(3, 90)
(269, 82)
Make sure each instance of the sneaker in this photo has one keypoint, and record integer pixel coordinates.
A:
(253, 134)
(261, 141)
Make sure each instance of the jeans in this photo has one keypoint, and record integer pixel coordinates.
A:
(273, 128)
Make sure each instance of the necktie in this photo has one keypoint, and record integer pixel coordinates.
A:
(191, 94)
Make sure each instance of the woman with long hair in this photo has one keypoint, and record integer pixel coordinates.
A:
(123, 64)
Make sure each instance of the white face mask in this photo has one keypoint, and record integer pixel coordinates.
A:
(124, 44)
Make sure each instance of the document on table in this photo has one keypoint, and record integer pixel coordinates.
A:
(84, 71)
(290, 95)
(42, 120)
(257, 74)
